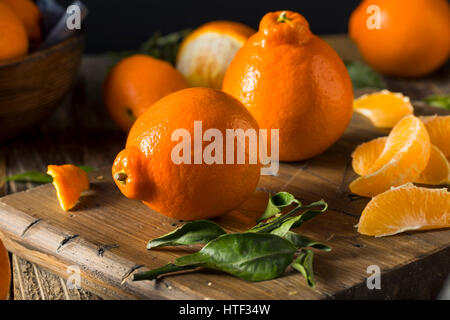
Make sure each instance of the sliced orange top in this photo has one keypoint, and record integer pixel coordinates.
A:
(404, 157)
(204, 56)
(406, 208)
(436, 172)
(69, 181)
(384, 109)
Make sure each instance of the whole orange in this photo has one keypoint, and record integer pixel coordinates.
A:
(291, 80)
(5, 273)
(402, 37)
(135, 83)
(28, 13)
(188, 190)
(13, 37)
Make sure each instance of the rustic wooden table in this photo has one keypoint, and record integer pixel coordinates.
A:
(81, 132)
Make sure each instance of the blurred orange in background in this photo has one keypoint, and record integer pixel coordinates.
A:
(406, 38)
(5, 273)
(13, 36)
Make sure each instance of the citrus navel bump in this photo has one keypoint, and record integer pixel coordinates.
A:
(135, 83)
(149, 168)
(204, 56)
(291, 80)
(411, 39)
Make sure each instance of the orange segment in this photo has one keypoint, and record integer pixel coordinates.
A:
(69, 181)
(436, 172)
(383, 108)
(402, 160)
(5, 273)
(439, 129)
(206, 53)
(406, 208)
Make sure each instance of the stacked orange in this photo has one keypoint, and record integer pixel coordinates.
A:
(416, 150)
(20, 28)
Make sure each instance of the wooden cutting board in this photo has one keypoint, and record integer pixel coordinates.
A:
(106, 235)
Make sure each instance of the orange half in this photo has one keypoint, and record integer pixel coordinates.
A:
(437, 171)
(69, 181)
(404, 157)
(406, 208)
(204, 56)
(384, 109)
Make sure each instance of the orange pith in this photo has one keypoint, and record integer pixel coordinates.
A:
(135, 83)
(145, 170)
(404, 156)
(383, 108)
(291, 80)
(5, 273)
(206, 53)
(13, 37)
(436, 172)
(439, 130)
(406, 208)
(69, 182)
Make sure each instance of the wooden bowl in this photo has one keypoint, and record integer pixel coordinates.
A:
(31, 87)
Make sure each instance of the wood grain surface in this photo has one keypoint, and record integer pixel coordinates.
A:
(80, 132)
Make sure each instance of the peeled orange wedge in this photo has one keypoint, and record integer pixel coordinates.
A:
(406, 208)
(206, 53)
(69, 181)
(439, 130)
(384, 109)
(436, 172)
(403, 158)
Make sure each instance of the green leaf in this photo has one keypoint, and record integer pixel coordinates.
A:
(153, 274)
(86, 168)
(303, 242)
(277, 203)
(30, 176)
(442, 101)
(286, 222)
(249, 256)
(199, 231)
(304, 264)
(363, 76)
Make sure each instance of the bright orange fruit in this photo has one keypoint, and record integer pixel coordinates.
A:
(28, 13)
(135, 83)
(204, 56)
(402, 38)
(13, 37)
(439, 129)
(436, 172)
(69, 181)
(150, 169)
(5, 273)
(292, 80)
(406, 208)
(383, 108)
(404, 156)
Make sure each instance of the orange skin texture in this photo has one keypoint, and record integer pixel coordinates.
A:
(69, 181)
(13, 37)
(28, 13)
(5, 273)
(186, 191)
(135, 83)
(414, 38)
(293, 81)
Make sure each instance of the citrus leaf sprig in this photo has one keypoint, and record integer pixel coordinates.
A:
(439, 101)
(364, 76)
(261, 253)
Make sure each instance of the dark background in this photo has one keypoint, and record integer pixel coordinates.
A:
(124, 24)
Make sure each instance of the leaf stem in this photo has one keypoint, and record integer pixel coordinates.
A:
(168, 268)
